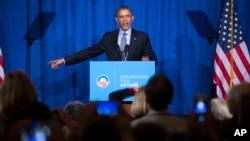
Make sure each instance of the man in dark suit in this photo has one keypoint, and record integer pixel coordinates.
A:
(138, 45)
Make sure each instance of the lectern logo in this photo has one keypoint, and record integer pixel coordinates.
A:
(102, 81)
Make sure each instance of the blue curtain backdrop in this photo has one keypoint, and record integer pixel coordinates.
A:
(178, 30)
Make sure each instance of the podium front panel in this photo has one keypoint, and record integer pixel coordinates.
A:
(109, 76)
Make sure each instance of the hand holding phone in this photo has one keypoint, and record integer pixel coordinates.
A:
(35, 132)
(200, 107)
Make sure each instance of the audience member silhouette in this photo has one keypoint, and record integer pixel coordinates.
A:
(17, 93)
(159, 93)
(74, 109)
(69, 115)
(237, 100)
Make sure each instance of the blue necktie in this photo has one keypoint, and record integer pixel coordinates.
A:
(123, 41)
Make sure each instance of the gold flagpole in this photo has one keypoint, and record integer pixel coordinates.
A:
(231, 42)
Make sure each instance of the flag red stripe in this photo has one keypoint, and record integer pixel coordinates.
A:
(219, 84)
(1, 67)
(222, 67)
(237, 72)
(234, 66)
(1, 59)
(243, 59)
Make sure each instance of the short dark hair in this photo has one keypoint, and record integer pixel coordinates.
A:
(159, 92)
(123, 7)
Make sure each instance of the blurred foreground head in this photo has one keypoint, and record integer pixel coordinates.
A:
(16, 93)
(74, 109)
(159, 92)
(239, 101)
(219, 109)
(139, 105)
(102, 121)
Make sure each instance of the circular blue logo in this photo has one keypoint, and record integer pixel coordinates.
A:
(102, 81)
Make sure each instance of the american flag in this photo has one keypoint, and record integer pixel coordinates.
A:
(231, 61)
(1, 67)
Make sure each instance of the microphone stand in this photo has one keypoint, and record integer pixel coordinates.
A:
(30, 42)
(125, 53)
(213, 85)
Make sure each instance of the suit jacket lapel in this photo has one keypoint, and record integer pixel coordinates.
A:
(115, 37)
(114, 41)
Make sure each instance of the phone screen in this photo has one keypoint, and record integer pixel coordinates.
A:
(107, 108)
(35, 132)
(200, 107)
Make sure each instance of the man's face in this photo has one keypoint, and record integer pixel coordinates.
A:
(124, 18)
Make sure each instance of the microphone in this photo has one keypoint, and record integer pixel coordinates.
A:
(126, 48)
(125, 52)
